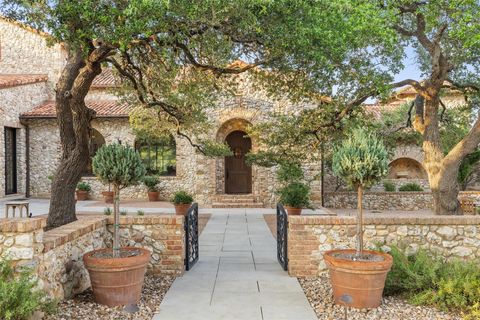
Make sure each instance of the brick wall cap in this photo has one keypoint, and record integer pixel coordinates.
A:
(387, 219)
(22, 225)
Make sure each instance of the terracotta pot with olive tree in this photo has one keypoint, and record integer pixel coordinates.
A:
(294, 194)
(358, 276)
(83, 188)
(117, 274)
(151, 182)
(182, 201)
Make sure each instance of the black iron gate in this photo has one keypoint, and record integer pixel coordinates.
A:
(191, 237)
(282, 234)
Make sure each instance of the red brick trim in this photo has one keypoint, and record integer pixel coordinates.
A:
(21, 225)
(385, 219)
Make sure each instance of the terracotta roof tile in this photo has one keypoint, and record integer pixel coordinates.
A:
(104, 109)
(13, 80)
(105, 80)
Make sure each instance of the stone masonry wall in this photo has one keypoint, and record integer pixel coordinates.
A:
(56, 256)
(310, 236)
(25, 51)
(13, 102)
(414, 200)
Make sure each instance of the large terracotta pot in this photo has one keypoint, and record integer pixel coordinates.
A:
(153, 195)
(117, 281)
(108, 196)
(293, 211)
(82, 195)
(361, 282)
(181, 209)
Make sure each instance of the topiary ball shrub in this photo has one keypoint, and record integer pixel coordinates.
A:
(295, 195)
(389, 187)
(410, 187)
(182, 197)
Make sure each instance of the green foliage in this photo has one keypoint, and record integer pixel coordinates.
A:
(428, 280)
(140, 213)
(361, 159)
(123, 212)
(107, 211)
(412, 186)
(84, 186)
(290, 172)
(119, 165)
(19, 296)
(182, 197)
(467, 168)
(389, 187)
(151, 183)
(295, 194)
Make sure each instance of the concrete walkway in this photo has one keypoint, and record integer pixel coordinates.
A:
(236, 277)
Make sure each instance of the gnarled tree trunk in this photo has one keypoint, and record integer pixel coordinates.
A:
(73, 118)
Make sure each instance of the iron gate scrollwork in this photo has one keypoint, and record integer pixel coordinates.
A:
(191, 236)
(282, 234)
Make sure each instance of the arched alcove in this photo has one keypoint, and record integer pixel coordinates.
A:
(406, 168)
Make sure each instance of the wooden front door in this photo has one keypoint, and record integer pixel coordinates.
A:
(238, 175)
(10, 160)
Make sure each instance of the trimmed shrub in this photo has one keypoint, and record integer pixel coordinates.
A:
(290, 172)
(412, 186)
(296, 195)
(182, 197)
(19, 296)
(151, 183)
(84, 186)
(107, 211)
(389, 187)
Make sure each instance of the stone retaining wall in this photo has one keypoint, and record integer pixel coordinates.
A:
(310, 236)
(414, 200)
(56, 256)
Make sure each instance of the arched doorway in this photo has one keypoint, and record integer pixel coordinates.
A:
(238, 175)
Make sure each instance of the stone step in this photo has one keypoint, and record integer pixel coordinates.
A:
(236, 205)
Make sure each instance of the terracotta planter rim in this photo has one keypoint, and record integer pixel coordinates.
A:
(92, 262)
(386, 264)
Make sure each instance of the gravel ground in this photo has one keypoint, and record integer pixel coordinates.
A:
(83, 307)
(319, 294)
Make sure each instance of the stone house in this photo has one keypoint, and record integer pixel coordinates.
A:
(29, 140)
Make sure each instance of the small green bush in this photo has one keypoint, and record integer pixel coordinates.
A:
(84, 186)
(140, 213)
(424, 279)
(19, 296)
(151, 183)
(389, 187)
(296, 195)
(123, 212)
(412, 186)
(107, 211)
(289, 172)
(182, 197)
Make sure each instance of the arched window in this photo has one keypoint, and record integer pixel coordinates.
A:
(96, 141)
(160, 157)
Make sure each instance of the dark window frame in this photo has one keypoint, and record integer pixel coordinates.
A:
(155, 155)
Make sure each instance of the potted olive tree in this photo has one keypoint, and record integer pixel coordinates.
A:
(358, 276)
(117, 274)
(83, 188)
(294, 194)
(151, 182)
(182, 200)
